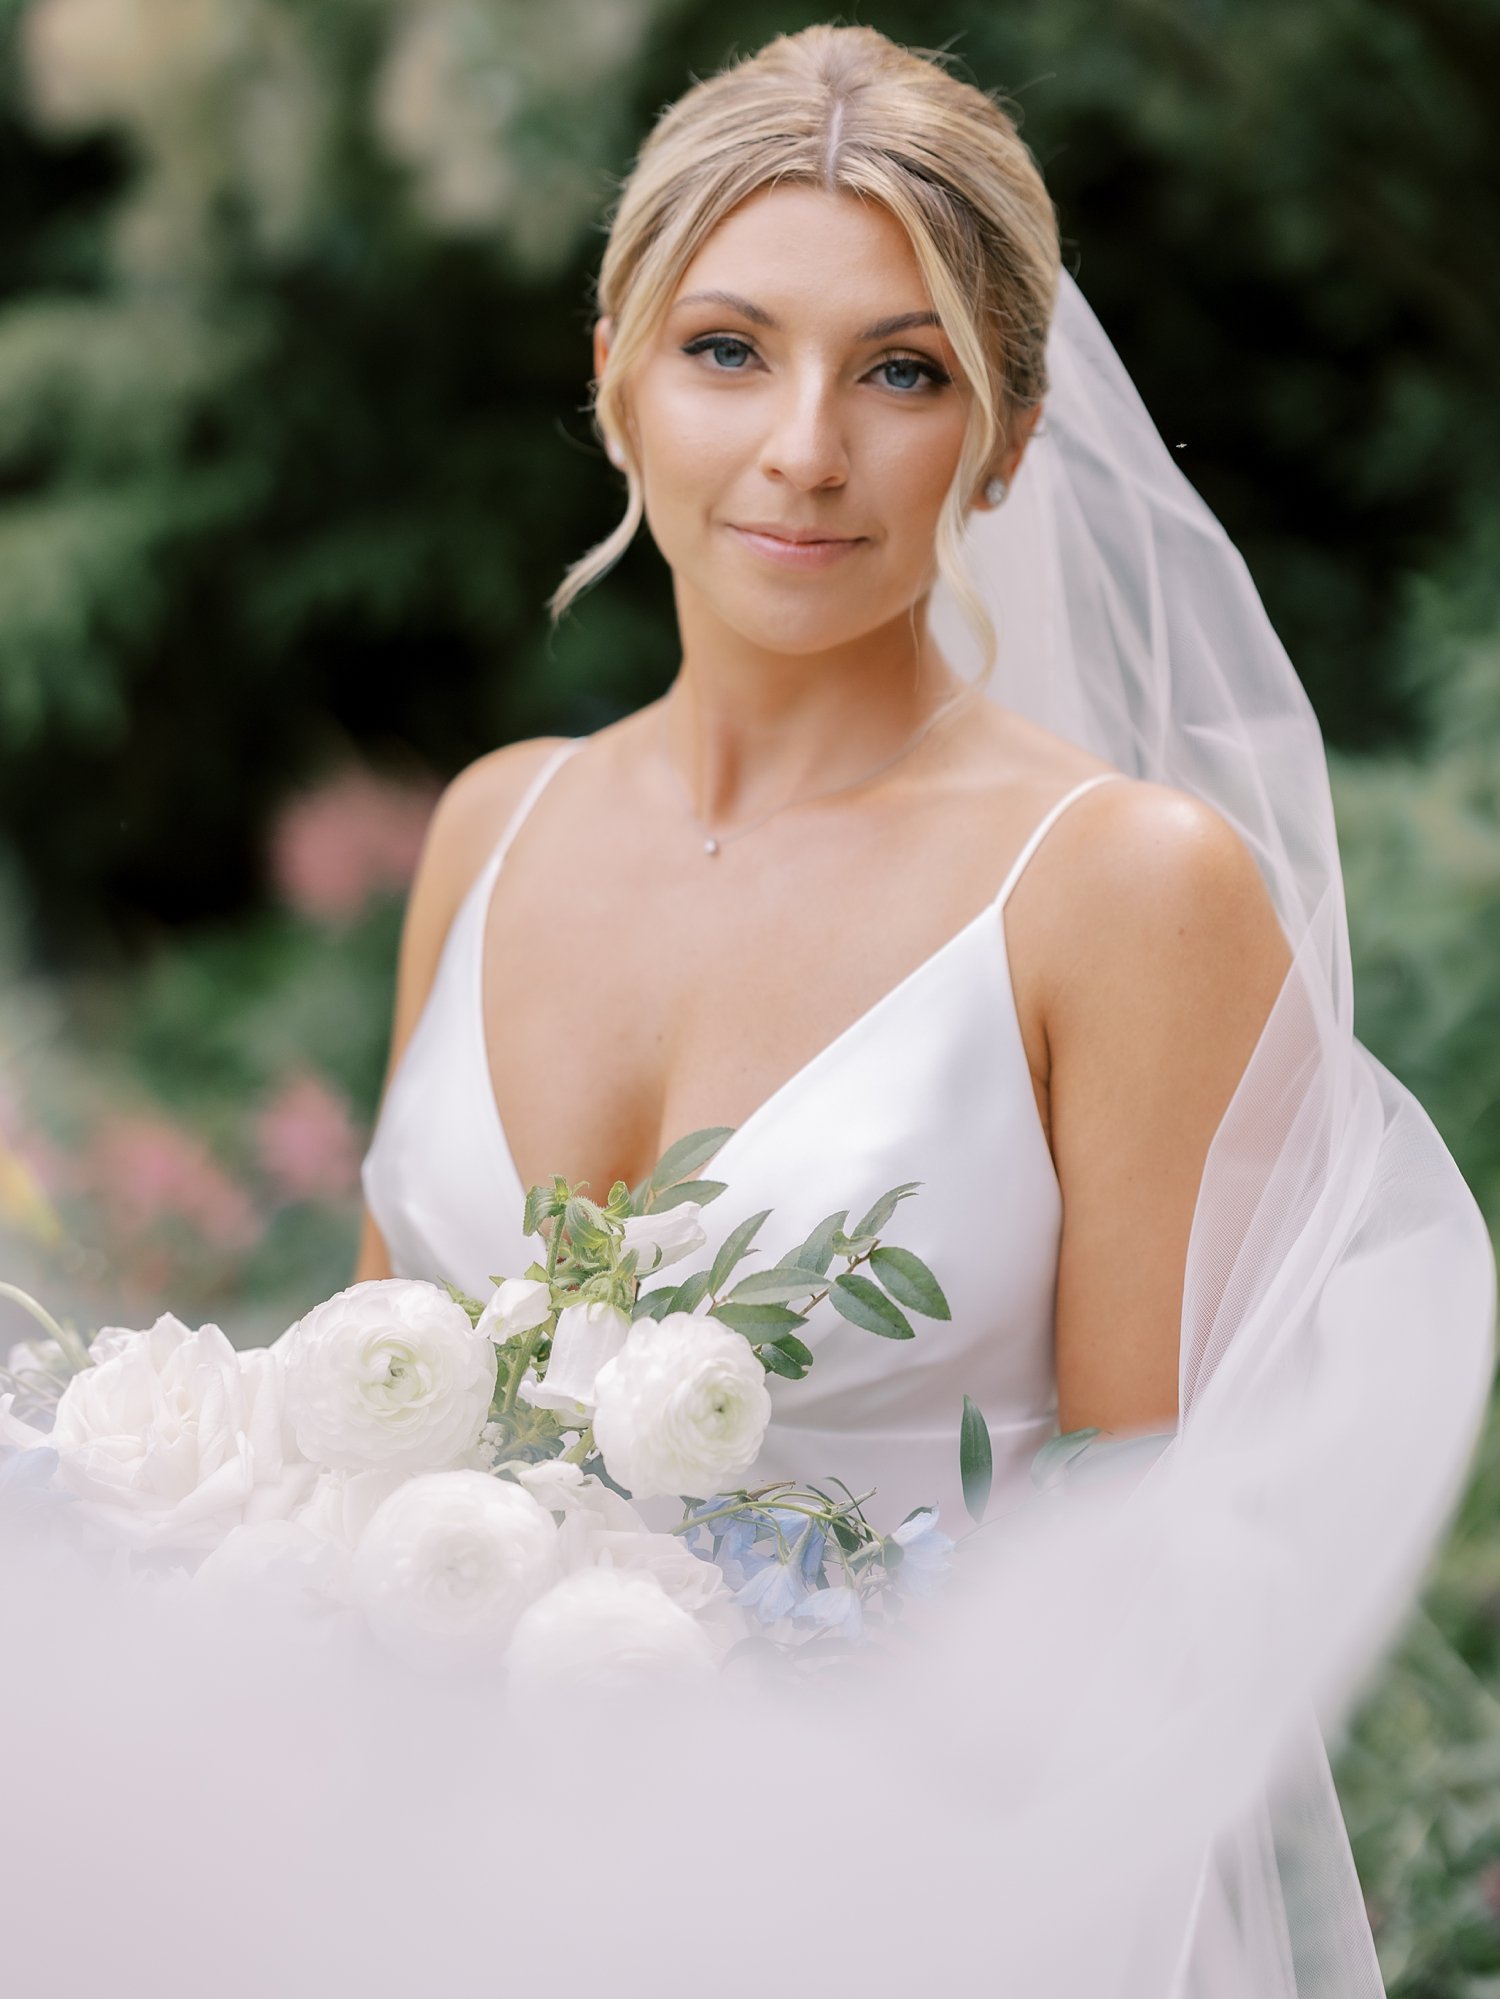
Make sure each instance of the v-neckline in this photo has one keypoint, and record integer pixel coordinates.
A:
(799, 1076)
(992, 911)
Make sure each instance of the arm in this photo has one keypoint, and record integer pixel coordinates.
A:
(1176, 960)
(469, 819)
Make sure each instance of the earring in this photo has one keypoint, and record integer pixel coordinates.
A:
(995, 490)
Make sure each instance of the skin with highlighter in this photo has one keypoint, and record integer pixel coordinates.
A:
(798, 421)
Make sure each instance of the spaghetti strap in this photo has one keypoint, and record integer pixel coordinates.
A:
(527, 799)
(1041, 831)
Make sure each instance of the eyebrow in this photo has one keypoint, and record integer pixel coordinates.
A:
(900, 322)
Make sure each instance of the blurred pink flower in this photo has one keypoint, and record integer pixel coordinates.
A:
(355, 836)
(306, 1141)
(145, 1170)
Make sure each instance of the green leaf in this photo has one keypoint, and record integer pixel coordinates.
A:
(909, 1281)
(1053, 1461)
(702, 1191)
(865, 1304)
(790, 1344)
(816, 1252)
(687, 1155)
(876, 1219)
(777, 1286)
(852, 1245)
(654, 1305)
(976, 1464)
(471, 1305)
(540, 1203)
(690, 1293)
(733, 1247)
(758, 1322)
(775, 1361)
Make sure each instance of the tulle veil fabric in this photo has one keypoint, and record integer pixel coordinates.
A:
(1339, 1308)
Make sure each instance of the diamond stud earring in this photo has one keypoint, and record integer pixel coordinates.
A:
(995, 490)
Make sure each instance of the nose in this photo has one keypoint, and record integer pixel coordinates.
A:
(805, 444)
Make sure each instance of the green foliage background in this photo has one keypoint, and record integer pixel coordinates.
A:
(293, 346)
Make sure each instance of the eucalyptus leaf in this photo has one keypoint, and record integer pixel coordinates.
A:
(976, 1464)
(777, 1286)
(687, 1155)
(758, 1322)
(790, 1344)
(701, 1191)
(654, 1304)
(1055, 1458)
(734, 1246)
(816, 1251)
(690, 1293)
(909, 1281)
(876, 1219)
(865, 1304)
(775, 1361)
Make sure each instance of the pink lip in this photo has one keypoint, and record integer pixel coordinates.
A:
(796, 548)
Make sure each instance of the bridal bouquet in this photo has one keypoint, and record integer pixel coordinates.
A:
(464, 1473)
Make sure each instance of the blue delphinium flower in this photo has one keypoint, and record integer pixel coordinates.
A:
(834, 1611)
(924, 1552)
(773, 1592)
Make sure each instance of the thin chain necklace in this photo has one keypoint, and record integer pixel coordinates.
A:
(713, 842)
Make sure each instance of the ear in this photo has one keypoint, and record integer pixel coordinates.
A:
(1008, 463)
(604, 330)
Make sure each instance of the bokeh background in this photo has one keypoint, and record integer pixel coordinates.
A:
(294, 324)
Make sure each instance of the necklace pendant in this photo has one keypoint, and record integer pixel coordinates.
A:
(710, 845)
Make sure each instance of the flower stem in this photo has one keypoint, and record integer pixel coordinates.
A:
(74, 1350)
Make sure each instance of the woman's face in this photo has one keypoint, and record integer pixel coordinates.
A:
(798, 421)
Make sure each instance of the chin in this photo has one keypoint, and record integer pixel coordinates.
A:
(811, 626)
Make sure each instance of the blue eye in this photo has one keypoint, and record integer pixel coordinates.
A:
(918, 374)
(729, 354)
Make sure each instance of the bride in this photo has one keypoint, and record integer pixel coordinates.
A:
(1014, 877)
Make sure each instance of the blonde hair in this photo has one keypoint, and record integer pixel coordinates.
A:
(845, 109)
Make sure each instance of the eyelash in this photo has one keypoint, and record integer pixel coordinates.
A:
(935, 377)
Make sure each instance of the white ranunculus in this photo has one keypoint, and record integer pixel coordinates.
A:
(600, 1529)
(586, 1336)
(681, 1408)
(172, 1439)
(310, 1554)
(280, 1557)
(665, 1237)
(449, 1563)
(519, 1305)
(388, 1376)
(604, 1627)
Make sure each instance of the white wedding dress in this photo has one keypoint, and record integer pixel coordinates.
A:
(929, 1084)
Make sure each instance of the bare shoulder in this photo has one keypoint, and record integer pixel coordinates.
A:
(1162, 890)
(469, 819)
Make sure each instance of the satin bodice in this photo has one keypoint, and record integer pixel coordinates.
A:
(930, 1084)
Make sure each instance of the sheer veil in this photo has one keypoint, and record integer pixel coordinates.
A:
(1338, 1317)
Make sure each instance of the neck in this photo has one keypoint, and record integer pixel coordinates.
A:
(749, 727)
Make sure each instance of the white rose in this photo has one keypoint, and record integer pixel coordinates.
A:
(665, 1237)
(449, 1563)
(173, 1438)
(519, 1305)
(605, 1628)
(388, 1376)
(586, 1336)
(682, 1407)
